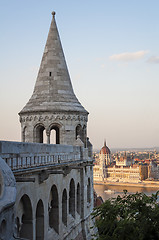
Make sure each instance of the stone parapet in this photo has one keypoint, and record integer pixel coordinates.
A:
(30, 155)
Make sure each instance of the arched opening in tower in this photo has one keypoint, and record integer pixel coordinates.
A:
(72, 198)
(25, 218)
(39, 134)
(54, 209)
(55, 135)
(40, 221)
(64, 207)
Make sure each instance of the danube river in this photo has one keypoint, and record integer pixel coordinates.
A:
(106, 191)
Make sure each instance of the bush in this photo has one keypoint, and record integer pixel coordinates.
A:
(128, 217)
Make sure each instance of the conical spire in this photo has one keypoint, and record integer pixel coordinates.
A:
(53, 90)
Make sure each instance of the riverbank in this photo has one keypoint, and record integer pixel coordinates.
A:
(144, 184)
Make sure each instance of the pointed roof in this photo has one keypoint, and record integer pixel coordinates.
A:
(53, 90)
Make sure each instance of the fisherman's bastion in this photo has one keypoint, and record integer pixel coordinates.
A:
(46, 190)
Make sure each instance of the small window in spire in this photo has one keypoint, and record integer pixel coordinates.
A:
(50, 73)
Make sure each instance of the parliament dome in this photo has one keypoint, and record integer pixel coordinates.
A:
(105, 149)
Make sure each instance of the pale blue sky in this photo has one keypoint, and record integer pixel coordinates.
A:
(112, 52)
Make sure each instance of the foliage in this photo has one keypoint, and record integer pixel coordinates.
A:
(128, 217)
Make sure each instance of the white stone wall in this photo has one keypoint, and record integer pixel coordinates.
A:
(34, 186)
(36, 192)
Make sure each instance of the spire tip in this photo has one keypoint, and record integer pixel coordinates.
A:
(53, 13)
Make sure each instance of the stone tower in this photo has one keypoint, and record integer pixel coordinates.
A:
(52, 186)
(53, 107)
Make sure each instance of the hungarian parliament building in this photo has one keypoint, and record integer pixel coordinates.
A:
(123, 169)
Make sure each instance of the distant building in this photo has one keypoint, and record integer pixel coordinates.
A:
(143, 169)
(102, 161)
(123, 170)
(153, 170)
(124, 160)
(123, 173)
(105, 155)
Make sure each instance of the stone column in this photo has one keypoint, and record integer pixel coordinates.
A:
(48, 137)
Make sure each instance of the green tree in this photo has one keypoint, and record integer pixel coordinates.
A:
(128, 217)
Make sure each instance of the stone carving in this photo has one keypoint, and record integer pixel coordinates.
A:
(51, 117)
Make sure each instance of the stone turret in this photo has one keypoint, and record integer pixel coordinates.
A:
(53, 104)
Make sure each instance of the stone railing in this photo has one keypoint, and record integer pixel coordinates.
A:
(30, 155)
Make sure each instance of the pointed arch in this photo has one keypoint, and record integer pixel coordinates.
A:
(40, 221)
(72, 198)
(54, 209)
(64, 207)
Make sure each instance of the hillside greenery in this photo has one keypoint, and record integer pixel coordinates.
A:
(128, 217)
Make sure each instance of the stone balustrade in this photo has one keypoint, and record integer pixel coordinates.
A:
(30, 155)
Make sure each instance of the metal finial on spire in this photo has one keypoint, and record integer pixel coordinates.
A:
(53, 13)
(105, 142)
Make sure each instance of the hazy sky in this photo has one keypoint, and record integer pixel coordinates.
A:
(112, 52)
